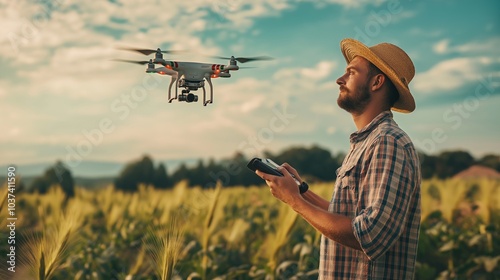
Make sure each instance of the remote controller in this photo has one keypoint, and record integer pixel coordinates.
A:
(265, 165)
(270, 167)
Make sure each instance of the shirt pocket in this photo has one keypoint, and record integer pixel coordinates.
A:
(346, 192)
(346, 178)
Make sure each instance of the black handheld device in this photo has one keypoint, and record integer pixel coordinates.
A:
(265, 165)
(270, 167)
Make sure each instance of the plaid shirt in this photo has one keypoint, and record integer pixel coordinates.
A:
(378, 187)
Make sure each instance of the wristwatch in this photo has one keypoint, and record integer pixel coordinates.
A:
(303, 187)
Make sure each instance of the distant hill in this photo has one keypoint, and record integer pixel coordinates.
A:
(91, 169)
(478, 171)
(93, 183)
(84, 169)
(88, 174)
(89, 183)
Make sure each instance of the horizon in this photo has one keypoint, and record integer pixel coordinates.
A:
(88, 169)
(64, 99)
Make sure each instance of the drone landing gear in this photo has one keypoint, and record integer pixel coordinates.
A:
(172, 81)
(205, 101)
(185, 93)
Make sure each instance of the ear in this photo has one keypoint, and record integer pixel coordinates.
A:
(377, 82)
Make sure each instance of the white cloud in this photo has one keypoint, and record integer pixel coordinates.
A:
(396, 18)
(331, 130)
(322, 70)
(488, 46)
(3, 89)
(477, 60)
(452, 74)
(241, 13)
(325, 109)
(441, 47)
(68, 25)
(21, 122)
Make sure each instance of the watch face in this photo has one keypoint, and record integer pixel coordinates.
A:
(303, 187)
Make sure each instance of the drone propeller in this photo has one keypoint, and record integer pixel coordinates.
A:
(149, 51)
(245, 59)
(141, 62)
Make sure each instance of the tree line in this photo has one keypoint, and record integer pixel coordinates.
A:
(314, 164)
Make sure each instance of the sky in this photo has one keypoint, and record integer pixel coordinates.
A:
(62, 97)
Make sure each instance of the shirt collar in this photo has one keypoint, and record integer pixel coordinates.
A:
(361, 134)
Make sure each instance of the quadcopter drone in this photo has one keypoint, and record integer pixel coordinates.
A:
(189, 75)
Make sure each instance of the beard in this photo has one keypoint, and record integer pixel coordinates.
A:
(354, 102)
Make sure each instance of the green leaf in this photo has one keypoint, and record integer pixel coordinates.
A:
(475, 240)
(41, 272)
(448, 246)
(489, 262)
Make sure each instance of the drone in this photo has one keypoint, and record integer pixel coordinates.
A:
(190, 76)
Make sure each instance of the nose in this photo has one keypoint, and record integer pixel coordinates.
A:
(340, 81)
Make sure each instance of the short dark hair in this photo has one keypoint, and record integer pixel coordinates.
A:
(392, 94)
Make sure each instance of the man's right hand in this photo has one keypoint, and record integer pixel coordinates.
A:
(292, 171)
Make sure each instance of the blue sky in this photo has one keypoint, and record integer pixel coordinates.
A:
(62, 97)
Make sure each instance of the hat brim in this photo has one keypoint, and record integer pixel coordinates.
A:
(352, 48)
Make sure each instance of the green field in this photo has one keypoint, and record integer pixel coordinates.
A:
(228, 233)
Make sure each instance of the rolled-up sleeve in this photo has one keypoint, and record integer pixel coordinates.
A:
(387, 190)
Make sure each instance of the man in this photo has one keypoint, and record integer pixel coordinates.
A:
(371, 225)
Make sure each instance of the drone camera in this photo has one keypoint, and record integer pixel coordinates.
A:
(188, 97)
(192, 98)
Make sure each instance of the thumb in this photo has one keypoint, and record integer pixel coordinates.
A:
(291, 170)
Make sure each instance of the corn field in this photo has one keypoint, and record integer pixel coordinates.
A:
(229, 233)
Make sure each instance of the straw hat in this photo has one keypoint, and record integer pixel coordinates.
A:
(392, 61)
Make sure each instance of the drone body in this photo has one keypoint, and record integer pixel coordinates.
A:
(190, 76)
